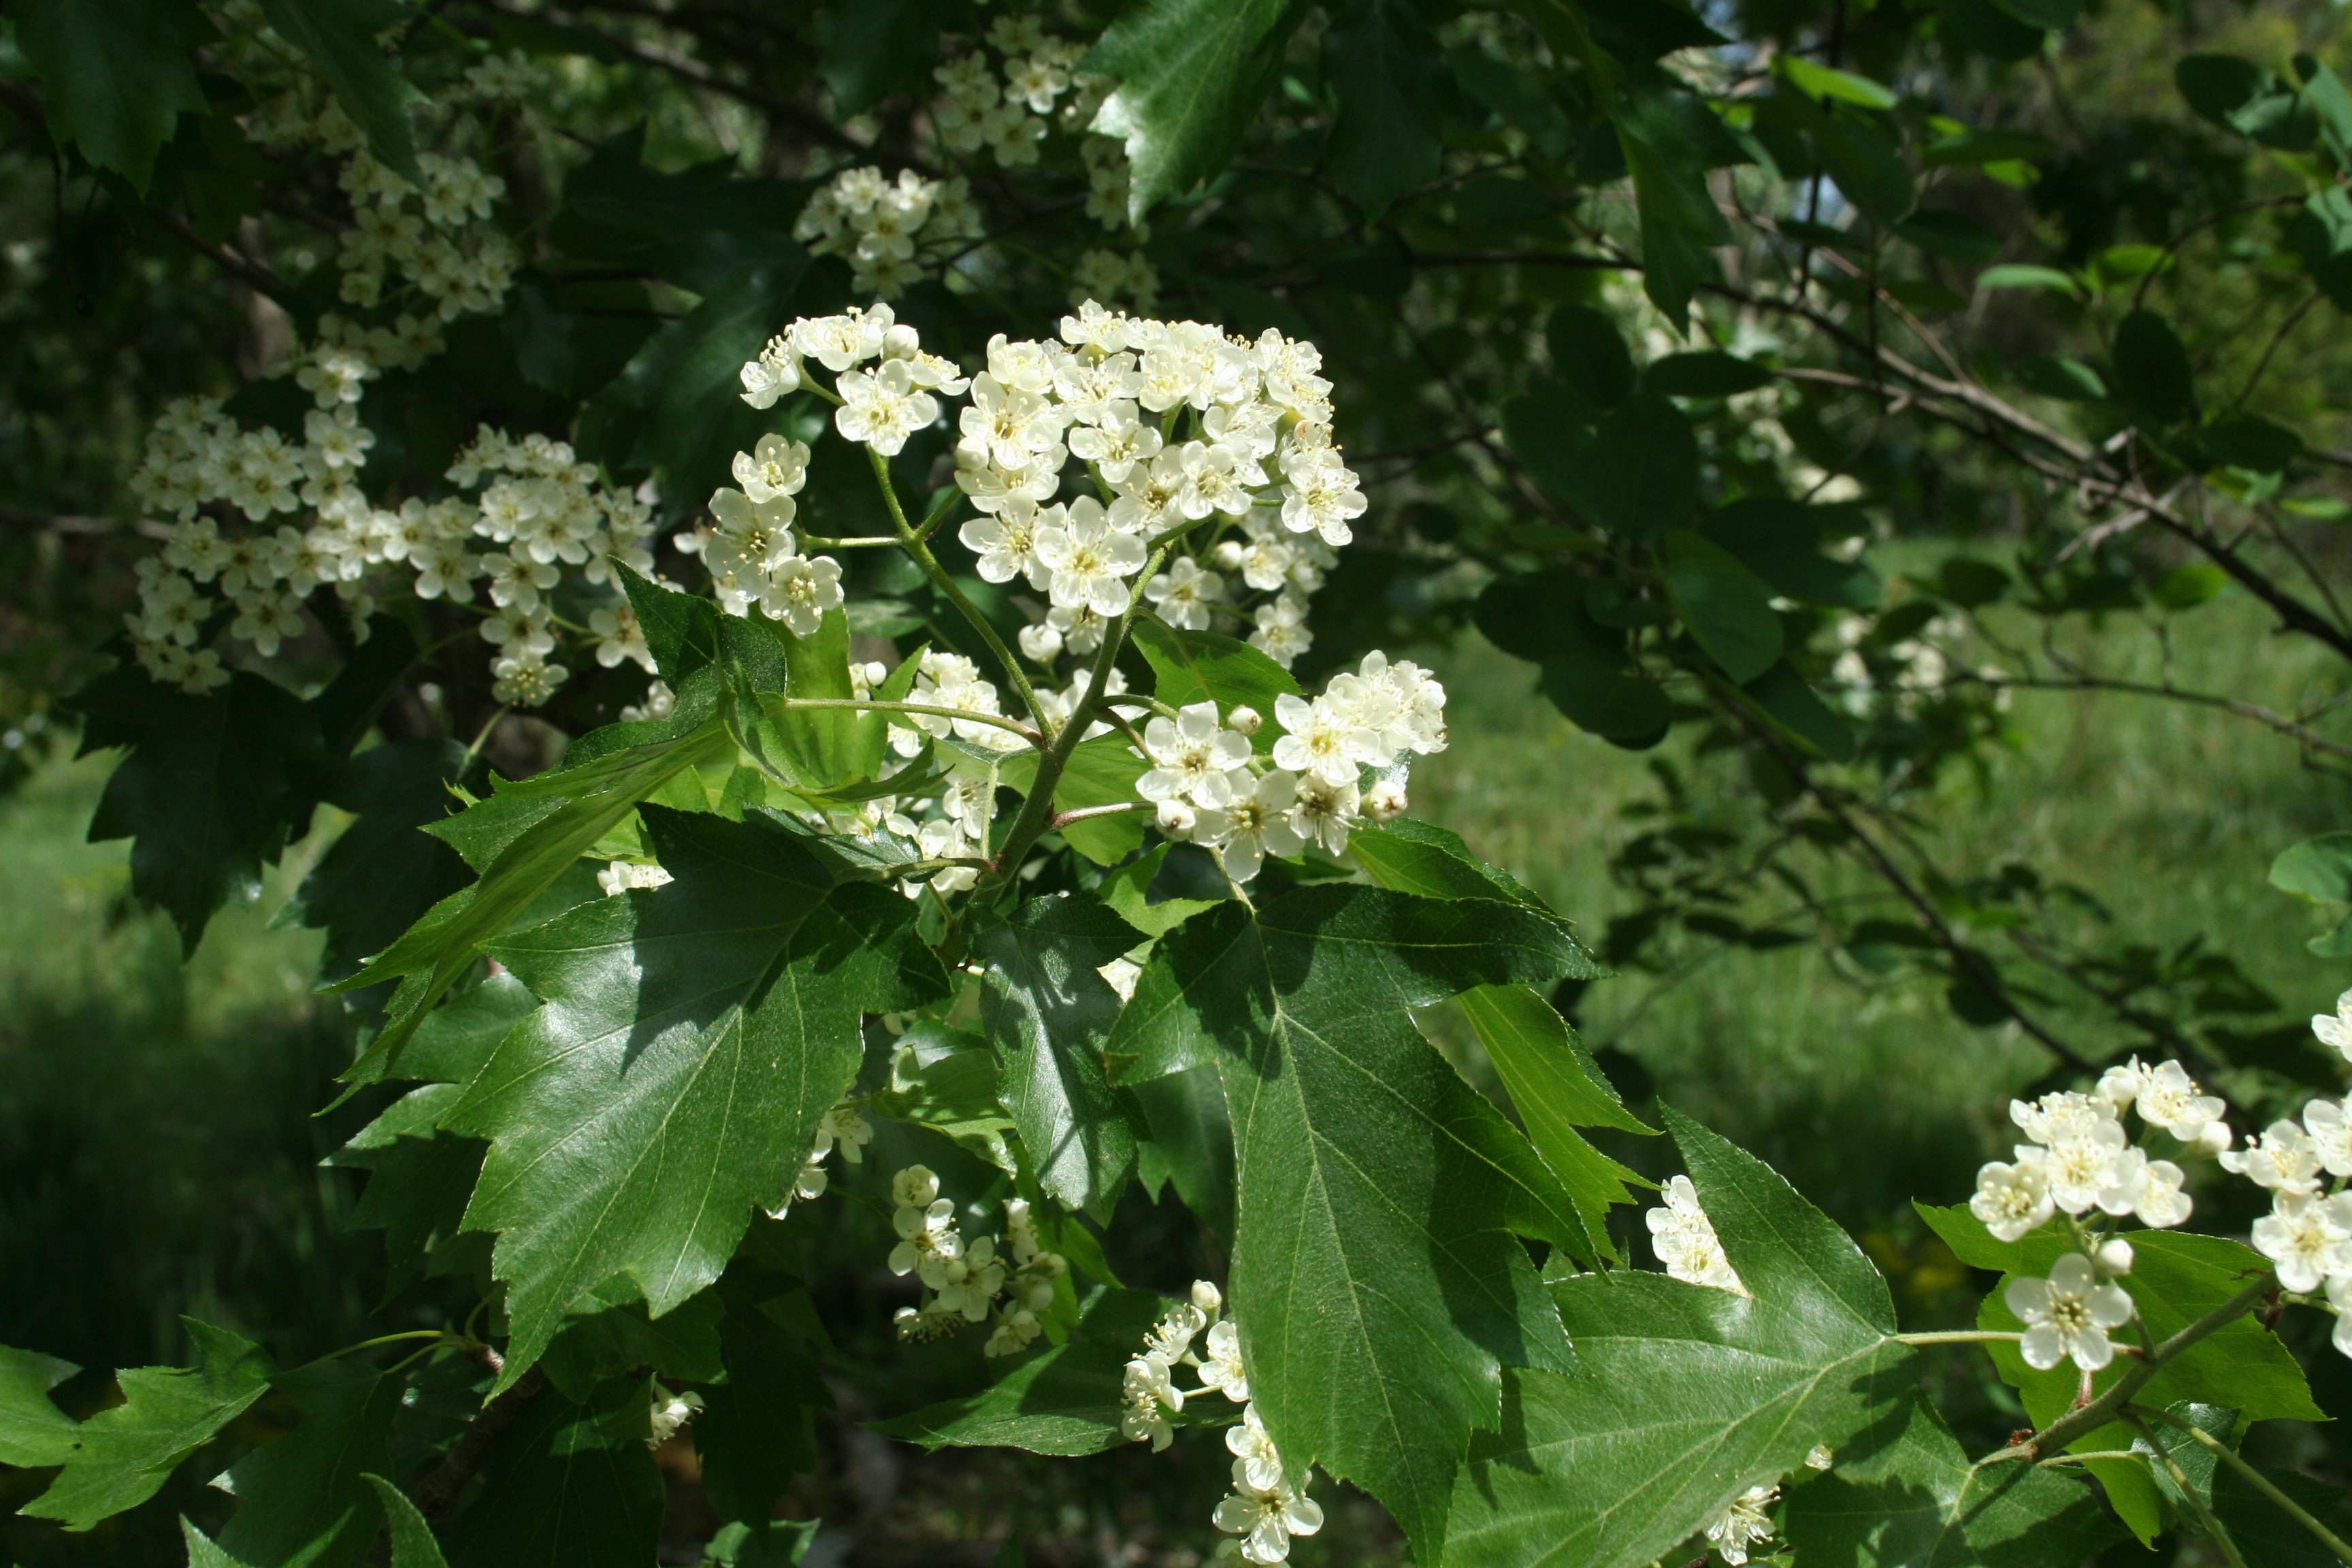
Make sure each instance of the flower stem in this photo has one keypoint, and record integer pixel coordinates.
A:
(2255, 1478)
(914, 546)
(2212, 1526)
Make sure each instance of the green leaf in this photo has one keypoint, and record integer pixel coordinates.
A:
(123, 1453)
(1704, 374)
(1384, 65)
(2266, 1533)
(1638, 476)
(211, 792)
(2152, 374)
(202, 1551)
(1866, 165)
(2251, 443)
(1982, 25)
(1783, 696)
(1779, 540)
(1062, 1401)
(1955, 237)
(1191, 74)
(688, 1040)
(1687, 1395)
(2024, 275)
(1197, 666)
(781, 1544)
(2242, 96)
(339, 37)
(2319, 870)
(675, 410)
(2323, 92)
(1588, 354)
(1410, 857)
(1914, 1501)
(2190, 584)
(523, 838)
(1102, 772)
(1516, 95)
(599, 1341)
(1726, 608)
(413, 1545)
(1816, 80)
(567, 1485)
(2052, 376)
(305, 1497)
(756, 1430)
(872, 48)
(1047, 1011)
(34, 1432)
(1375, 1272)
(114, 75)
(1185, 1113)
(1557, 1088)
(1987, 146)
(381, 874)
(1663, 138)
(945, 1079)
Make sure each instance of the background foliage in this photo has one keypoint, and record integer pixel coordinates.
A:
(1910, 721)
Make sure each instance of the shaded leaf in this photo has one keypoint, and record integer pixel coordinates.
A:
(413, 1545)
(1191, 74)
(123, 1453)
(1725, 605)
(567, 1485)
(2152, 374)
(305, 1497)
(114, 77)
(1064, 1400)
(1661, 139)
(339, 37)
(689, 1037)
(1687, 1395)
(1384, 64)
(1047, 1012)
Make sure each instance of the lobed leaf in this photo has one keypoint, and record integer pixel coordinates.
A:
(1064, 1400)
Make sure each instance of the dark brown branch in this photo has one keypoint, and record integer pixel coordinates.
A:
(437, 1493)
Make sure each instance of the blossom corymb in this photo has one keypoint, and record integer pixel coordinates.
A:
(1685, 1240)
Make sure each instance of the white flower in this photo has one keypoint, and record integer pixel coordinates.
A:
(1250, 1444)
(1385, 801)
(754, 537)
(2167, 1097)
(2079, 1166)
(839, 341)
(800, 590)
(2283, 1158)
(883, 408)
(1741, 1524)
(1183, 594)
(1265, 1518)
(775, 373)
(2336, 1031)
(1006, 544)
(2331, 1135)
(1193, 757)
(2055, 1118)
(672, 1412)
(622, 875)
(622, 636)
(775, 467)
(2305, 1236)
(1685, 1240)
(2162, 1203)
(1091, 559)
(1256, 823)
(2014, 1199)
(1324, 811)
(1146, 1399)
(1320, 738)
(2068, 1314)
(1222, 1368)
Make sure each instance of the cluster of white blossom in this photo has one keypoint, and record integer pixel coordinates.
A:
(1255, 485)
(1264, 1509)
(969, 1280)
(1685, 1240)
(2080, 1157)
(892, 233)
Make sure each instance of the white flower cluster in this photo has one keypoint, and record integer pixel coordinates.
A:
(892, 232)
(435, 237)
(1212, 788)
(1685, 1240)
(1742, 1523)
(2080, 1157)
(750, 553)
(1186, 434)
(1264, 1509)
(843, 1127)
(969, 1280)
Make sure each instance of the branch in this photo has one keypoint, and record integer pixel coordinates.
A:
(2253, 710)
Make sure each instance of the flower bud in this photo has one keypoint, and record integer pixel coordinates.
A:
(2115, 1256)
(1244, 719)
(1385, 801)
(1230, 553)
(901, 341)
(1208, 1298)
(1040, 642)
(2214, 1138)
(1175, 820)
